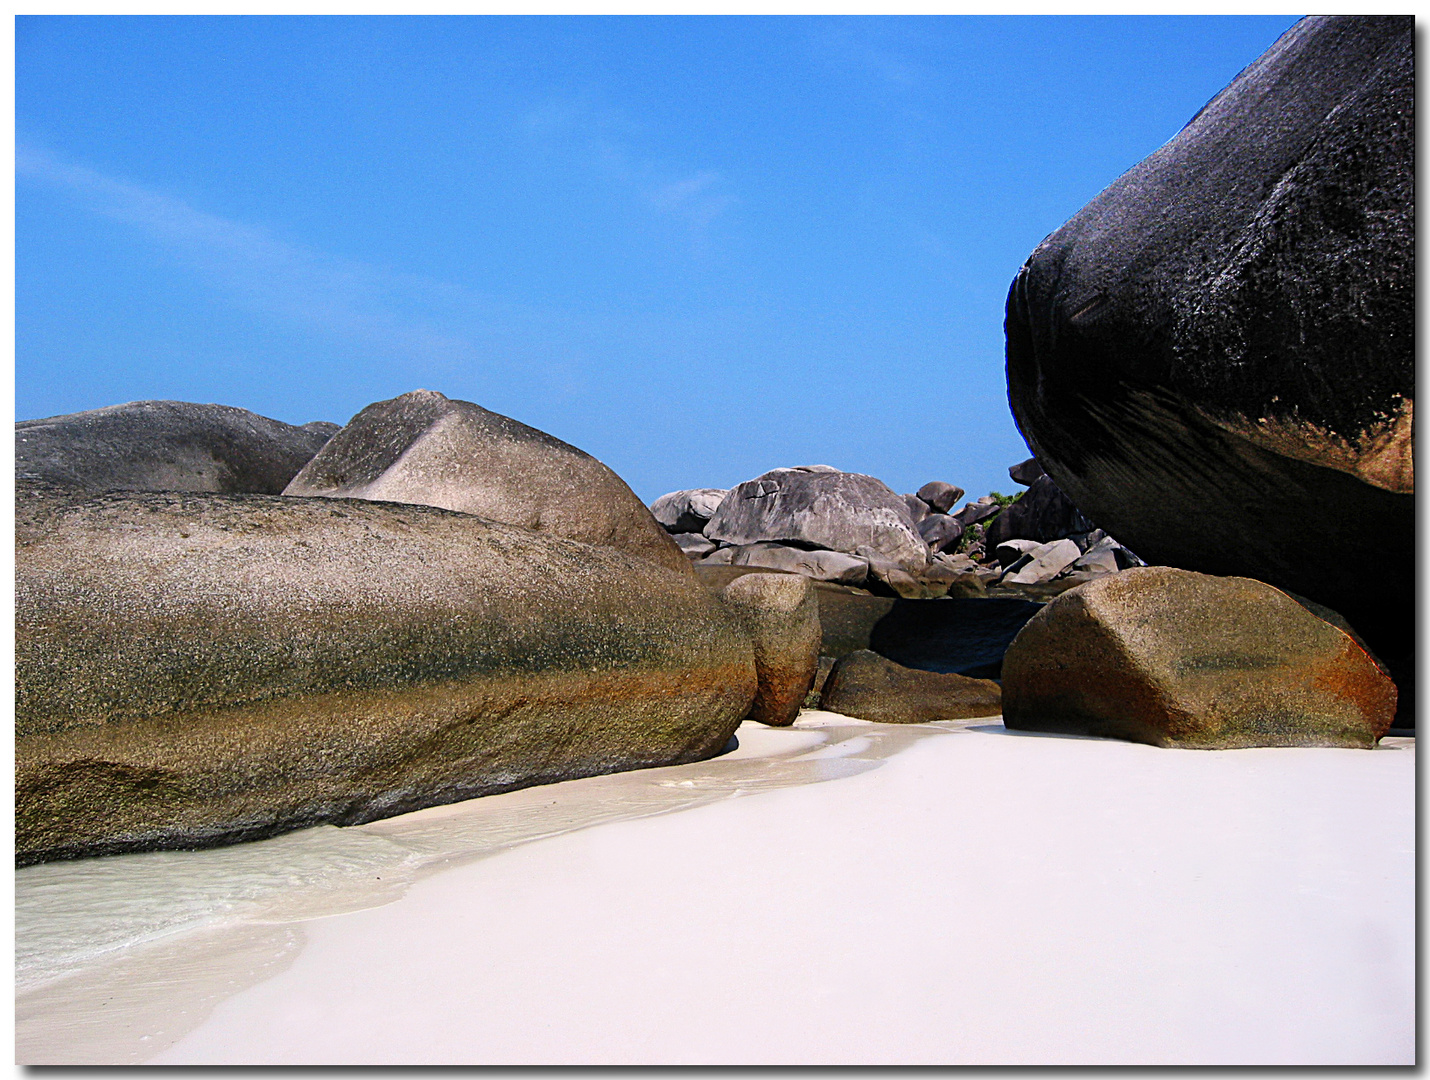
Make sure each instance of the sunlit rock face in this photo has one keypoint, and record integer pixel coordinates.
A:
(1214, 358)
(194, 669)
(423, 447)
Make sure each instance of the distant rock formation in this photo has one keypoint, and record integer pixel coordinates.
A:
(166, 446)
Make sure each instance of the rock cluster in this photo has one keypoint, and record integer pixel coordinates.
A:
(1221, 345)
(851, 529)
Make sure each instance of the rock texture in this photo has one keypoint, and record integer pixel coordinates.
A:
(427, 449)
(1176, 658)
(817, 506)
(867, 686)
(832, 566)
(780, 612)
(166, 446)
(1042, 513)
(940, 496)
(687, 511)
(194, 669)
(1219, 347)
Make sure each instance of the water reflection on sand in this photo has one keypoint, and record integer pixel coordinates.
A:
(118, 957)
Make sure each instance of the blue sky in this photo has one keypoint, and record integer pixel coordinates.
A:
(697, 248)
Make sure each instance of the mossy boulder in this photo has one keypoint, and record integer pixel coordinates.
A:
(194, 669)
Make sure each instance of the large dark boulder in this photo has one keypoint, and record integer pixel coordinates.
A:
(1214, 358)
(1174, 658)
(194, 669)
(166, 446)
(820, 507)
(1042, 513)
(425, 448)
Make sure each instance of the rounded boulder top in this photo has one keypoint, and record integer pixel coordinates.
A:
(427, 449)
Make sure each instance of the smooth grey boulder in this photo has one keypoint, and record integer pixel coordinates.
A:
(940, 532)
(1043, 563)
(940, 496)
(426, 449)
(194, 669)
(1174, 658)
(695, 545)
(821, 507)
(1010, 551)
(918, 509)
(1042, 513)
(780, 612)
(1221, 345)
(687, 511)
(1100, 558)
(1025, 472)
(166, 446)
(832, 566)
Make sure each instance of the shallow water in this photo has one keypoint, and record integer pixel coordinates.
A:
(117, 957)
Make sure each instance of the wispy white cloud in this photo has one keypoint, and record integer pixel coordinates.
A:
(604, 140)
(340, 297)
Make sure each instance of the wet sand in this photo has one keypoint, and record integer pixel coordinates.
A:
(954, 894)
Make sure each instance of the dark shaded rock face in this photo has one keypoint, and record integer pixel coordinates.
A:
(780, 612)
(820, 507)
(194, 669)
(425, 448)
(1217, 350)
(1175, 658)
(166, 446)
(868, 686)
(960, 636)
(1042, 513)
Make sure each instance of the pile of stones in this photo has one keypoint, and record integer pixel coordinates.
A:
(851, 529)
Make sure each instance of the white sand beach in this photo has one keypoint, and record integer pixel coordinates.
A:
(836, 893)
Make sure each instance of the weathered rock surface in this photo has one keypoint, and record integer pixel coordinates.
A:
(940, 532)
(1042, 513)
(918, 509)
(868, 686)
(694, 544)
(977, 511)
(940, 496)
(166, 446)
(194, 669)
(687, 511)
(813, 699)
(780, 612)
(1025, 472)
(1043, 563)
(1220, 346)
(832, 566)
(1176, 658)
(824, 508)
(426, 449)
